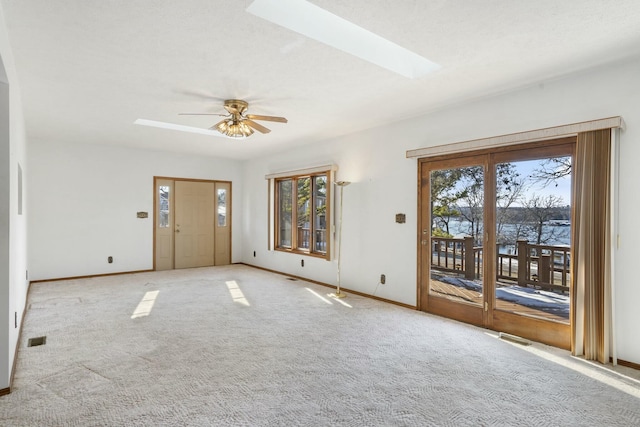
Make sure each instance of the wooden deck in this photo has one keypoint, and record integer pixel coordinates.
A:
(462, 294)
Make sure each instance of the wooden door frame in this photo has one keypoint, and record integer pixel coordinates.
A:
(155, 208)
(466, 312)
(491, 317)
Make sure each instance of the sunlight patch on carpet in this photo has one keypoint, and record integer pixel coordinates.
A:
(236, 293)
(584, 368)
(146, 305)
(335, 298)
(319, 296)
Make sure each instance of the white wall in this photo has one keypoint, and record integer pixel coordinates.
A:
(84, 198)
(385, 183)
(13, 250)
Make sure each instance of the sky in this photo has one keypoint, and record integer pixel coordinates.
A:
(560, 188)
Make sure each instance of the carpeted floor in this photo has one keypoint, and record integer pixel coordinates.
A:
(237, 346)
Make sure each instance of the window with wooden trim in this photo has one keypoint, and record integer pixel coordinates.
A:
(302, 209)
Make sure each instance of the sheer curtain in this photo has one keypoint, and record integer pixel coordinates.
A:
(591, 263)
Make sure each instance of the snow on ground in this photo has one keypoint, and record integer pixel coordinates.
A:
(534, 298)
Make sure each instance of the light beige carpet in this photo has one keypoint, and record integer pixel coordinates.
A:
(237, 346)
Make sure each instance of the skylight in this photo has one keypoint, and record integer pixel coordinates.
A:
(173, 126)
(321, 25)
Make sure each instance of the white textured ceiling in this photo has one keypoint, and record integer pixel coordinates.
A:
(88, 69)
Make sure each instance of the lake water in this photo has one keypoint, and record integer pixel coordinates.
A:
(553, 234)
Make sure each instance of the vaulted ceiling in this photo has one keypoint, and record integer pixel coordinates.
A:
(88, 69)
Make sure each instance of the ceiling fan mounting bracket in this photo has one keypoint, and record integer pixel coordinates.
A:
(236, 106)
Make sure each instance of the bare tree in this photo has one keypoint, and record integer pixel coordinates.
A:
(471, 201)
(553, 169)
(539, 210)
(509, 188)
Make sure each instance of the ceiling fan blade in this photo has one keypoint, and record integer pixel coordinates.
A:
(256, 126)
(267, 118)
(202, 114)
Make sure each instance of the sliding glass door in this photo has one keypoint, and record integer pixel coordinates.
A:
(495, 247)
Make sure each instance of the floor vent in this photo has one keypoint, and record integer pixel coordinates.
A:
(37, 341)
(514, 338)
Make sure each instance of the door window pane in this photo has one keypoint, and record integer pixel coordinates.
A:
(285, 210)
(163, 206)
(533, 236)
(320, 213)
(222, 207)
(457, 230)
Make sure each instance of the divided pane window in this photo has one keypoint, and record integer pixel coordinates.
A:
(302, 201)
(303, 198)
(285, 203)
(320, 213)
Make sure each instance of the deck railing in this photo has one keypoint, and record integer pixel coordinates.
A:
(304, 238)
(541, 266)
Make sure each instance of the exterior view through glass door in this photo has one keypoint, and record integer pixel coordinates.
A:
(455, 239)
(518, 202)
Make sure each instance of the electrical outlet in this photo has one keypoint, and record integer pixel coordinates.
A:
(383, 279)
(254, 254)
(301, 263)
(110, 260)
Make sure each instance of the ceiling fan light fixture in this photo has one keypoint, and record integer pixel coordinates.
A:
(222, 127)
(234, 129)
(237, 124)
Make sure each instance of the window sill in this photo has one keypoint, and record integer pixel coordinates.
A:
(306, 253)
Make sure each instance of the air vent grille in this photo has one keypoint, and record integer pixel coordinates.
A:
(33, 342)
